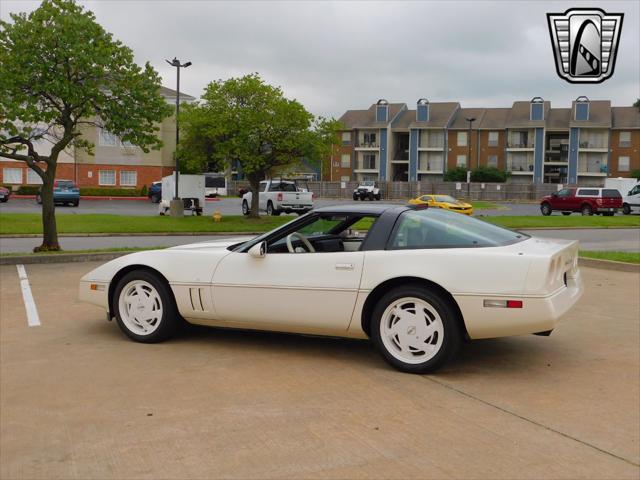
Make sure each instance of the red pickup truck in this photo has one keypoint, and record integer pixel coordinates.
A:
(586, 200)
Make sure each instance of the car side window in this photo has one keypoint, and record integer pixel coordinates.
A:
(263, 187)
(565, 192)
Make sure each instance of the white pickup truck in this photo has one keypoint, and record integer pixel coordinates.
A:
(280, 196)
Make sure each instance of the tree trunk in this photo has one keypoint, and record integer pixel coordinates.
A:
(254, 183)
(49, 228)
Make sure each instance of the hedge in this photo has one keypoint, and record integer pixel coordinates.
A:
(28, 189)
(480, 174)
(110, 192)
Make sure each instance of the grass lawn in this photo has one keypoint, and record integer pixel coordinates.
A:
(18, 223)
(484, 205)
(628, 257)
(558, 221)
(25, 223)
(96, 250)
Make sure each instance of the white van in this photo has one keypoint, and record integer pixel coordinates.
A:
(631, 201)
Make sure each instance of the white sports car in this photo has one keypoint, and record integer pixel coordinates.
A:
(417, 281)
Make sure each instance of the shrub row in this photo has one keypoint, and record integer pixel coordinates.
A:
(480, 174)
(91, 191)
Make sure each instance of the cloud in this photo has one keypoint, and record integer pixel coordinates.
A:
(334, 56)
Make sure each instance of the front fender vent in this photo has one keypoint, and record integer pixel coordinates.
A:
(195, 294)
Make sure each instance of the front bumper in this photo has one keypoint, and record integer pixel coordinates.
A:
(98, 295)
(539, 314)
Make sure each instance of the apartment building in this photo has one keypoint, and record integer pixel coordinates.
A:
(114, 163)
(535, 143)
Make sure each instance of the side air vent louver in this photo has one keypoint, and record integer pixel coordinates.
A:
(195, 295)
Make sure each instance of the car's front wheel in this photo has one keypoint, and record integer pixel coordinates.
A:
(245, 208)
(144, 307)
(415, 329)
(546, 210)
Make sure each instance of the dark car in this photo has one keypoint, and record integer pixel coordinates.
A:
(65, 192)
(586, 200)
(5, 193)
(155, 192)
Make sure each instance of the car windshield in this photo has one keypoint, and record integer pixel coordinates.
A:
(445, 199)
(436, 228)
(366, 184)
(64, 184)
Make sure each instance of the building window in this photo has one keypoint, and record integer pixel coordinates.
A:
(128, 178)
(33, 178)
(345, 161)
(492, 161)
(461, 161)
(370, 139)
(106, 138)
(106, 177)
(462, 139)
(493, 139)
(623, 164)
(12, 175)
(369, 162)
(345, 178)
(625, 139)
(346, 138)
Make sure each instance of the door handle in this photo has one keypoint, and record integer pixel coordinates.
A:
(344, 266)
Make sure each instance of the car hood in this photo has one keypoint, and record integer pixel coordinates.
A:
(212, 244)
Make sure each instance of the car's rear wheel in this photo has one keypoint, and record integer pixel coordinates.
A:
(355, 197)
(378, 197)
(144, 307)
(566, 213)
(245, 208)
(546, 210)
(586, 209)
(626, 209)
(271, 210)
(415, 329)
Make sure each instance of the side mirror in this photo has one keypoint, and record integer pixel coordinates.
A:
(259, 250)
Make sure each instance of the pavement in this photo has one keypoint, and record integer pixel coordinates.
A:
(226, 206)
(627, 240)
(80, 401)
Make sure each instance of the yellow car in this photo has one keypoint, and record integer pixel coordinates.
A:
(443, 201)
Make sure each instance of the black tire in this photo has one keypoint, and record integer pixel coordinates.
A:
(76, 203)
(626, 208)
(170, 320)
(378, 197)
(546, 209)
(362, 198)
(5, 200)
(39, 199)
(155, 198)
(566, 213)
(272, 211)
(452, 335)
(355, 197)
(586, 210)
(245, 208)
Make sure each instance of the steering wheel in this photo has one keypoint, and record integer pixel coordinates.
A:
(303, 239)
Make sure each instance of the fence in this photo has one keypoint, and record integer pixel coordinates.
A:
(405, 190)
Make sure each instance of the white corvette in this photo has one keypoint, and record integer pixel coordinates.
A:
(416, 280)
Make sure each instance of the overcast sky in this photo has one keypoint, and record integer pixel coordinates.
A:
(334, 56)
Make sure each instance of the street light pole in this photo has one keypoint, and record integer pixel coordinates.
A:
(176, 204)
(470, 120)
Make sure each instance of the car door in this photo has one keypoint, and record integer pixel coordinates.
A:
(304, 292)
(561, 200)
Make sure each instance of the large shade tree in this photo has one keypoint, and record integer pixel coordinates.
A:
(248, 124)
(62, 72)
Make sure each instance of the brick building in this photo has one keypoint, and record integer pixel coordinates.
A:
(114, 163)
(534, 142)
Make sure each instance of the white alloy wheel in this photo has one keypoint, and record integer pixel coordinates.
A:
(140, 307)
(411, 330)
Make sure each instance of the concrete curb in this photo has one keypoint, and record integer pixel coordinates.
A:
(152, 234)
(609, 265)
(94, 257)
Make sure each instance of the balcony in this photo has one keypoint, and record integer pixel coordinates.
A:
(520, 163)
(593, 146)
(367, 145)
(366, 163)
(431, 140)
(527, 145)
(593, 164)
(430, 163)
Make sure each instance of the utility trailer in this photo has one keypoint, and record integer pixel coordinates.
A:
(190, 190)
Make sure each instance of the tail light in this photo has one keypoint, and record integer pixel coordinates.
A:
(279, 197)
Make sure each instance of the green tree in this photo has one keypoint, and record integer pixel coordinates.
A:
(246, 123)
(637, 104)
(61, 71)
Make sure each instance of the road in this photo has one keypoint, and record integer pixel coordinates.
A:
(626, 240)
(80, 401)
(226, 206)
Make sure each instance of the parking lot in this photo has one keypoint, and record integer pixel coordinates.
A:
(78, 400)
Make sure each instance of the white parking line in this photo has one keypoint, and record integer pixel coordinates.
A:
(29, 304)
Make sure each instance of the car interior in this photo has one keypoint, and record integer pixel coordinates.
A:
(326, 233)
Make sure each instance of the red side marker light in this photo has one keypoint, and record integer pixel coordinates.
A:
(514, 303)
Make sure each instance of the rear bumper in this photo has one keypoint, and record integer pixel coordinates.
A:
(66, 197)
(295, 208)
(539, 314)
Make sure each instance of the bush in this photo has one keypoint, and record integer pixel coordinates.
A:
(28, 189)
(458, 174)
(635, 173)
(144, 191)
(109, 192)
(488, 174)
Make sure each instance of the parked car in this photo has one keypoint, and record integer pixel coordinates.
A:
(155, 192)
(215, 184)
(367, 190)
(631, 201)
(64, 191)
(415, 280)
(5, 193)
(446, 202)
(586, 200)
(280, 196)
